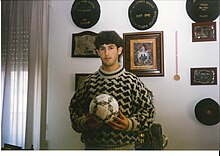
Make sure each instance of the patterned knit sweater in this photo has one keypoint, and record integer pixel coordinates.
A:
(134, 99)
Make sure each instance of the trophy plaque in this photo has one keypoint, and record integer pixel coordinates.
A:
(204, 31)
(85, 13)
(202, 10)
(207, 112)
(204, 76)
(142, 14)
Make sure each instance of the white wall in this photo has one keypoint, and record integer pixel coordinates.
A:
(174, 100)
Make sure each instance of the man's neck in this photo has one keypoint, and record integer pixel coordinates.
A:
(111, 68)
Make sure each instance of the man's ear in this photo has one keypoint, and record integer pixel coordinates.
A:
(97, 52)
(120, 50)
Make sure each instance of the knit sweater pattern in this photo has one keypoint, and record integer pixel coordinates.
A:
(134, 99)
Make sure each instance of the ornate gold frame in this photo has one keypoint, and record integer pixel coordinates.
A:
(143, 54)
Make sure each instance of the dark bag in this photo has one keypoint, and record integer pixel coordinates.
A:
(153, 139)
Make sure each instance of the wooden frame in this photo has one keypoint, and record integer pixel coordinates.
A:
(83, 44)
(203, 31)
(143, 54)
(79, 78)
(203, 76)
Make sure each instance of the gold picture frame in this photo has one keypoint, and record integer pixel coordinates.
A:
(144, 54)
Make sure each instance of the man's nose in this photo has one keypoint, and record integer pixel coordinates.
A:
(107, 51)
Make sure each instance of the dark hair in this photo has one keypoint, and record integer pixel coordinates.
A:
(108, 37)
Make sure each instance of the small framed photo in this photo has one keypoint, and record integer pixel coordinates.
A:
(203, 76)
(79, 78)
(144, 53)
(203, 31)
(83, 44)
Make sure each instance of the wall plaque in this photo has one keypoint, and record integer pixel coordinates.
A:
(207, 112)
(85, 13)
(204, 76)
(203, 10)
(83, 44)
(204, 31)
(142, 14)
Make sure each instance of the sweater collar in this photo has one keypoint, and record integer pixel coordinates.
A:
(111, 74)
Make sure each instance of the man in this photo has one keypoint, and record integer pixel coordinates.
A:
(136, 110)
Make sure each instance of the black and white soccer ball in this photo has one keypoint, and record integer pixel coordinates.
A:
(104, 107)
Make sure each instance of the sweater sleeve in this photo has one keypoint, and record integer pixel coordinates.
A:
(143, 116)
(78, 109)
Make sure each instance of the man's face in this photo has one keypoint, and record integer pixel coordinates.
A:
(109, 54)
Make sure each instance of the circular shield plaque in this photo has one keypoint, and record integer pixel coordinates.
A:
(143, 14)
(207, 111)
(85, 13)
(203, 10)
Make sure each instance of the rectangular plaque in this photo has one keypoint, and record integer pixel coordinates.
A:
(204, 76)
(83, 44)
(203, 31)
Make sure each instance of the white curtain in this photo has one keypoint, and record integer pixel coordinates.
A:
(14, 70)
(24, 72)
(37, 88)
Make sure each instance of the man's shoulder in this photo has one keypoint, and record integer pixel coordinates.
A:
(132, 75)
(92, 76)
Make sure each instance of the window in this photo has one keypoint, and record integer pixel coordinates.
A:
(14, 85)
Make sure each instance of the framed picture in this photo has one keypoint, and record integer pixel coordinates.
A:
(79, 78)
(203, 31)
(143, 54)
(83, 44)
(203, 76)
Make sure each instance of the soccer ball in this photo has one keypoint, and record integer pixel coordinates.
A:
(104, 107)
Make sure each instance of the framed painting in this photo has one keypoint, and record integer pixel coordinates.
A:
(203, 31)
(83, 44)
(79, 78)
(204, 76)
(144, 53)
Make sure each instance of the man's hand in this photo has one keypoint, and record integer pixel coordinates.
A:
(120, 124)
(91, 122)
